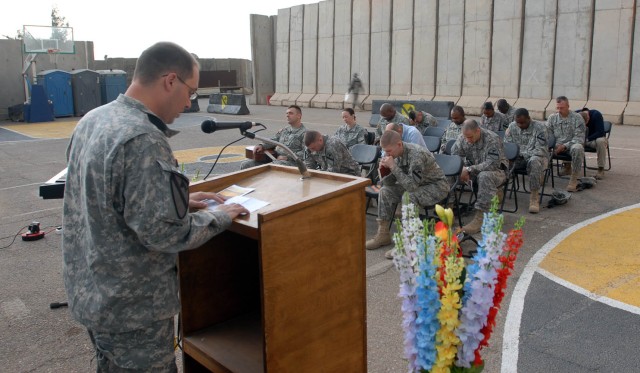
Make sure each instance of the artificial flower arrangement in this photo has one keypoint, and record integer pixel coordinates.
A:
(449, 309)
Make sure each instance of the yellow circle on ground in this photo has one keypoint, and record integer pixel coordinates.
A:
(603, 258)
(58, 129)
(208, 155)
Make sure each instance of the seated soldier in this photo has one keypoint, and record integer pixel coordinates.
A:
(351, 133)
(421, 120)
(409, 168)
(407, 133)
(291, 136)
(531, 136)
(328, 154)
(568, 128)
(506, 109)
(486, 167)
(455, 127)
(388, 114)
(492, 120)
(596, 137)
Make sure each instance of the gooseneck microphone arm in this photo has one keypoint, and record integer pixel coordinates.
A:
(299, 162)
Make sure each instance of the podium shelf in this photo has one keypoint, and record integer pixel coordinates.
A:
(235, 345)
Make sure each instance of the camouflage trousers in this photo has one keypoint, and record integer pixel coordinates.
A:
(535, 166)
(426, 195)
(252, 163)
(488, 183)
(142, 350)
(577, 156)
(600, 144)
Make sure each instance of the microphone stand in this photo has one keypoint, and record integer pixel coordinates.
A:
(299, 162)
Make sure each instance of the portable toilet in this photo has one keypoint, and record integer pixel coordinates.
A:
(57, 86)
(86, 91)
(112, 84)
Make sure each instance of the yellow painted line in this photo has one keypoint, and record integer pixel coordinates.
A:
(602, 258)
(208, 155)
(45, 130)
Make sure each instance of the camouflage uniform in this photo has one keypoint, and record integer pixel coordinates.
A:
(428, 120)
(125, 218)
(382, 123)
(352, 136)
(510, 114)
(335, 157)
(416, 172)
(452, 133)
(487, 164)
(534, 151)
(293, 138)
(498, 122)
(570, 132)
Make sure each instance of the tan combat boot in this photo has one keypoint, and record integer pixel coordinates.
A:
(600, 174)
(534, 202)
(474, 225)
(566, 170)
(382, 238)
(573, 183)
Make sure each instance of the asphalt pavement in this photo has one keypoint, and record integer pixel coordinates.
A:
(572, 305)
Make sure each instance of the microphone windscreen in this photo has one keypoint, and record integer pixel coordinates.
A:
(208, 126)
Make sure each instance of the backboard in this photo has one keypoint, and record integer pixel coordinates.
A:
(48, 39)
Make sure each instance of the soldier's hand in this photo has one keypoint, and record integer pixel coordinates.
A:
(233, 210)
(464, 175)
(560, 149)
(387, 162)
(195, 200)
(258, 149)
(282, 158)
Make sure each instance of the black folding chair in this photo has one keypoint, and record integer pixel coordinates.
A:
(434, 131)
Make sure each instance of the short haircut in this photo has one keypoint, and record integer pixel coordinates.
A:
(295, 107)
(350, 111)
(521, 112)
(389, 137)
(458, 109)
(584, 115)
(562, 98)
(412, 115)
(487, 106)
(395, 126)
(311, 136)
(162, 58)
(502, 104)
(386, 106)
(470, 125)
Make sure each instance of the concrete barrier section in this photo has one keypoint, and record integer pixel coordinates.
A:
(227, 103)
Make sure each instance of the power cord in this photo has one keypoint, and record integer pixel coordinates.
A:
(231, 143)
(14, 236)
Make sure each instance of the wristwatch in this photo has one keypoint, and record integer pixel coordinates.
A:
(468, 169)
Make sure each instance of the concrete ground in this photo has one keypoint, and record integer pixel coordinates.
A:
(572, 303)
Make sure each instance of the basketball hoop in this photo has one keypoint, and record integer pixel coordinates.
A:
(53, 55)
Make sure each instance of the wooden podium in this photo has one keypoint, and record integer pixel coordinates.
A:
(283, 289)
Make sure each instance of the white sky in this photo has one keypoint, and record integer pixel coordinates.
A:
(118, 28)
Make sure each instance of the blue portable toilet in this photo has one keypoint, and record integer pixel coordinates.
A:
(112, 84)
(57, 86)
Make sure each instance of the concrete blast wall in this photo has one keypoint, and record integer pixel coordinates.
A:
(466, 51)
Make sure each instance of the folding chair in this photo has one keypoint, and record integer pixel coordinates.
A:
(433, 143)
(589, 149)
(451, 166)
(511, 152)
(443, 123)
(449, 146)
(434, 131)
(367, 157)
(370, 138)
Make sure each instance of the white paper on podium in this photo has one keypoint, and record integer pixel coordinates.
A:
(250, 204)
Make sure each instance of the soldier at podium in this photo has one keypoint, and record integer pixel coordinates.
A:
(126, 216)
(411, 168)
(291, 136)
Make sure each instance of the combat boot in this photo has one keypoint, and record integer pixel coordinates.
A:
(566, 170)
(534, 202)
(474, 225)
(573, 183)
(600, 174)
(382, 237)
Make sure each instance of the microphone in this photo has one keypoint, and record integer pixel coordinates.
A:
(209, 126)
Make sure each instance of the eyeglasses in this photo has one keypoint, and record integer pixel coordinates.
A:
(193, 92)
